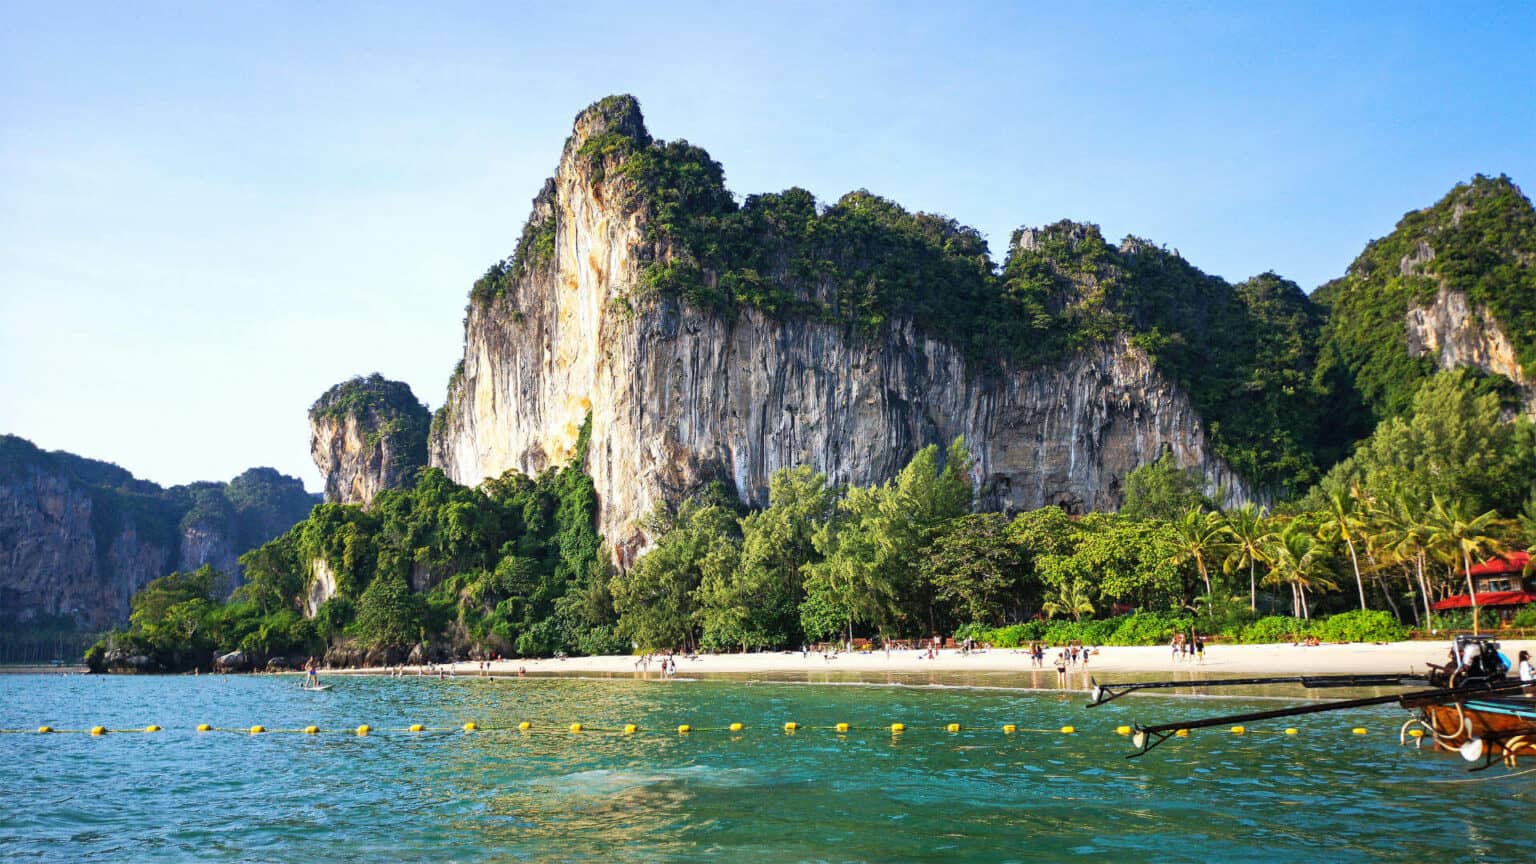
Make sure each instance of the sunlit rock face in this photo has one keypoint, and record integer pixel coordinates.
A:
(1454, 333)
(367, 435)
(679, 396)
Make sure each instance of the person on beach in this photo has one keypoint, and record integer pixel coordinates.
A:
(1199, 649)
(1173, 644)
(1527, 675)
(1061, 669)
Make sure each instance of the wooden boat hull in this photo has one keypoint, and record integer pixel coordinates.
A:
(1505, 727)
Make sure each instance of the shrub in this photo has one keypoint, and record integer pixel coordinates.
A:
(1361, 625)
(1148, 628)
(1276, 628)
(1014, 635)
(1525, 617)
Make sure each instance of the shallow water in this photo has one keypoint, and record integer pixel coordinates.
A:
(756, 795)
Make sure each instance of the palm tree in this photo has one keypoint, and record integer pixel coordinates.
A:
(1071, 598)
(1398, 527)
(1298, 560)
(1199, 535)
(1455, 536)
(1247, 528)
(1342, 522)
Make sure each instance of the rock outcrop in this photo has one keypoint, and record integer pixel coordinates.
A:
(678, 396)
(78, 537)
(367, 435)
(1453, 333)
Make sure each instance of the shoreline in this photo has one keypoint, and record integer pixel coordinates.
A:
(1220, 661)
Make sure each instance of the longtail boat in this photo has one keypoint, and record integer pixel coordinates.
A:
(1469, 705)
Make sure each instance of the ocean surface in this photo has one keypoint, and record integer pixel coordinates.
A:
(759, 794)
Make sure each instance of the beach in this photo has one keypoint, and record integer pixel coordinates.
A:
(1220, 661)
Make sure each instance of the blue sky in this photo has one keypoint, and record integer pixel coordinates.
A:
(209, 213)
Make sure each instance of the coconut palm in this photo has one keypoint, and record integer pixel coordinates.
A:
(1455, 536)
(1072, 598)
(1297, 559)
(1247, 528)
(1342, 521)
(1199, 535)
(1397, 527)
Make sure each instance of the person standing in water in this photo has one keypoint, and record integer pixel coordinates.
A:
(312, 674)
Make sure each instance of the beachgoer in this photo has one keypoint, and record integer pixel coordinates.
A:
(1528, 674)
(1174, 644)
(1061, 669)
(1199, 648)
(311, 673)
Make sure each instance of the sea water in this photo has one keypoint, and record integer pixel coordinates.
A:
(759, 794)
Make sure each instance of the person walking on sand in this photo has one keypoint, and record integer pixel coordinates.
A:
(1199, 648)
(1527, 675)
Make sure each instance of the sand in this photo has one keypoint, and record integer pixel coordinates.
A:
(1220, 661)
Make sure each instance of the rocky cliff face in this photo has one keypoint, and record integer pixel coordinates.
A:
(679, 396)
(79, 538)
(1452, 332)
(51, 562)
(367, 435)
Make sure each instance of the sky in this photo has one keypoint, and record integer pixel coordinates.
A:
(210, 213)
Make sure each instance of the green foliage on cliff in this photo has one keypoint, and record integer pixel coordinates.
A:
(514, 567)
(1479, 239)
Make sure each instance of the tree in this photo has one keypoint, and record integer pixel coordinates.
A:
(1199, 535)
(1299, 562)
(972, 565)
(1070, 598)
(755, 603)
(1247, 527)
(1455, 535)
(1342, 521)
(1161, 490)
(656, 600)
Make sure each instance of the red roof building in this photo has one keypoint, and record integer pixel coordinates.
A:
(1500, 581)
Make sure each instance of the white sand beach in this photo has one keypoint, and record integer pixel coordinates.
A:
(1220, 661)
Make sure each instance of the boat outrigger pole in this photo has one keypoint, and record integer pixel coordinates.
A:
(1102, 693)
(1147, 737)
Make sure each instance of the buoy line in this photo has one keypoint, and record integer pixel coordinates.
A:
(527, 727)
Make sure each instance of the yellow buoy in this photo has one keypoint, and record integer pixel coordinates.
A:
(842, 727)
(791, 726)
(524, 726)
(98, 730)
(1009, 728)
(257, 730)
(311, 730)
(1068, 730)
(1182, 733)
(898, 727)
(204, 727)
(684, 729)
(417, 727)
(575, 727)
(1238, 730)
(953, 727)
(1412, 733)
(735, 727)
(151, 728)
(44, 729)
(1122, 730)
(1359, 730)
(364, 729)
(470, 726)
(1292, 730)
(629, 728)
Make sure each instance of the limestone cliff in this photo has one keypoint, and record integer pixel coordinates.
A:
(679, 395)
(367, 435)
(79, 537)
(1452, 332)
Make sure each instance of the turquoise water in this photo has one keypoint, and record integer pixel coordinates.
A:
(756, 795)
